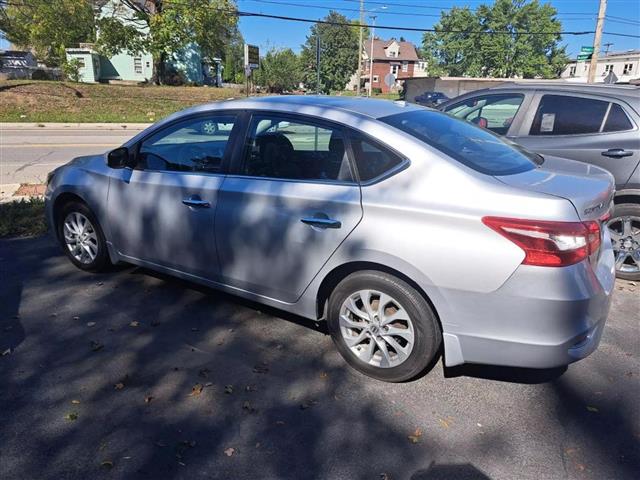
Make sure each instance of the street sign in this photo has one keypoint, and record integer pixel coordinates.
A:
(584, 56)
(586, 49)
(389, 80)
(251, 56)
(611, 78)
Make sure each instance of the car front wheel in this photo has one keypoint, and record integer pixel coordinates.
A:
(81, 237)
(383, 327)
(624, 229)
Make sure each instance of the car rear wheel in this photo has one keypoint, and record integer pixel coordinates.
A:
(81, 237)
(383, 327)
(624, 228)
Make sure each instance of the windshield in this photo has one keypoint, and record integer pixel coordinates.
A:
(470, 145)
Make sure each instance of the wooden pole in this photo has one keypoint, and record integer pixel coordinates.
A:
(596, 41)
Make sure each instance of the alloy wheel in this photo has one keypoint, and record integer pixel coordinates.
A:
(376, 328)
(625, 238)
(80, 237)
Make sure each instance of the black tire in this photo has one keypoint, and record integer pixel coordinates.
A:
(626, 210)
(101, 262)
(427, 334)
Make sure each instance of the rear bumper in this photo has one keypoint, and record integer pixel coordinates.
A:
(540, 318)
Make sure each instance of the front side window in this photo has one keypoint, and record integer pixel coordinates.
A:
(474, 147)
(284, 148)
(494, 112)
(193, 145)
(566, 115)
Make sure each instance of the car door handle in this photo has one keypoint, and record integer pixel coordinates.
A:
(196, 202)
(321, 222)
(617, 153)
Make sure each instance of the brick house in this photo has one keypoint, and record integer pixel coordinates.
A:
(391, 56)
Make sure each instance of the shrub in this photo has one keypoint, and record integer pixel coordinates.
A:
(40, 75)
(71, 69)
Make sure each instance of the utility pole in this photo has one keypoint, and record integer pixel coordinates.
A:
(596, 41)
(359, 75)
(606, 47)
(373, 34)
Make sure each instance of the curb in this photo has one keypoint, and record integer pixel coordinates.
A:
(72, 126)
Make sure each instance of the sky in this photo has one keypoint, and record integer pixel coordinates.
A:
(576, 15)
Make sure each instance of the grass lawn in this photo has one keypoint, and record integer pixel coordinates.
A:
(42, 101)
(22, 218)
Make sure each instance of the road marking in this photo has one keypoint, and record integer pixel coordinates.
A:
(50, 145)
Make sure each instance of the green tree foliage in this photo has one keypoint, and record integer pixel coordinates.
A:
(449, 50)
(279, 71)
(71, 69)
(338, 54)
(47, 26)
(163, 28)
(234, 59)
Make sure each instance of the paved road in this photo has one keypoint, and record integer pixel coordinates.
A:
(27, 155)
(313, 417)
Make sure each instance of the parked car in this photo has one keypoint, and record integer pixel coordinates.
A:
(593, 124)
(404, 228)
(431, 99)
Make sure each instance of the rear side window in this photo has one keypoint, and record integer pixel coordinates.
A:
(372, 159)
(565, 115)
(617, 121)
(472, 146)
(494, 112)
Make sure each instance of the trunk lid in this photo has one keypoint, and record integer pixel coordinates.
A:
(589, 188)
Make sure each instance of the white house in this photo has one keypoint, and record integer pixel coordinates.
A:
(625, 66)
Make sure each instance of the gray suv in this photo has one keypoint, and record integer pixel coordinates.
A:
(595, 124)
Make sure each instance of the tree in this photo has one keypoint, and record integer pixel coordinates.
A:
(338, 54)
(164, 28)
(459, 48)
(279, 71)
(48, 27)
(234, 59)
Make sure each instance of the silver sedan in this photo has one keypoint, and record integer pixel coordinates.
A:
(410, 232)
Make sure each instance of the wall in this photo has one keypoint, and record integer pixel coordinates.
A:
(452, 87)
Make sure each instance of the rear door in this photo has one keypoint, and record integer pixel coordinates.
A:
(589, 129)
(288, 204)
(162, 212)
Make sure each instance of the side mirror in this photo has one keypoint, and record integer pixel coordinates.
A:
(119, 158)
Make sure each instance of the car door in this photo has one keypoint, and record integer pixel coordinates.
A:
(288, 204)
(494, 111)
(162, 212)
(594, 130)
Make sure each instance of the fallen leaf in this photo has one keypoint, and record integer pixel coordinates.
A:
(415, 438)
(194, 329)
(161, 444)
(251, 388)
(208, 384)
(71, 416)
(445, 422)
(308, 404)
(95, 345)
(119, 386)
(279, 422)
(385, 476)
(90, 324)
(108, 464)
(76, 318)
(135, 323)
(228, 389)
(100, 284)
(247, 406)
(196, 390)
(323, 375)
(75, 402)
(6, 352)
(592, 409)
(148, 399)
(258, 445)
(229, 451)
(263, 367)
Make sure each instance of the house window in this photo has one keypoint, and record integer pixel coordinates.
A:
(628, 68)
(572, 71)
(81, 63)
(394, 69)
(607, 68)
(405, 66)
(137, 65)
(148, 64)
(375, 79)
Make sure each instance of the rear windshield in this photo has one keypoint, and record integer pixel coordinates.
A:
(472, 146)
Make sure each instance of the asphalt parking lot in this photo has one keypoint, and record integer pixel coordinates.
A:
(132, 374)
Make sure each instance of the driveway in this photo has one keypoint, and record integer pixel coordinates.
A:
(132, 374)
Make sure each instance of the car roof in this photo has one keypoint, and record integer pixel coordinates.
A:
(369, 107)
(618, 91)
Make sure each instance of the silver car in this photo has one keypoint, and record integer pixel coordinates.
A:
(410, 232)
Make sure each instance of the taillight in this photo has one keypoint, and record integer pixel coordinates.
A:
(549, 244)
